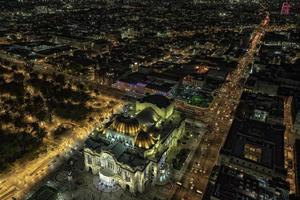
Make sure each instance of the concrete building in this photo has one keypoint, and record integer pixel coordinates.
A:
(139, 84)
(232, 184)
(261, 107)
(256, 148)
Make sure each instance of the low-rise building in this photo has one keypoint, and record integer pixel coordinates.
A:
(141, 84)
(261, 107)
(233, 184)
(256, 148)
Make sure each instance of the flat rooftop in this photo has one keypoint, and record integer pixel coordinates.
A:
(149, 81)
(232, 184)
(32, 50)
(260, 107)
(257, 142)
(158, 100)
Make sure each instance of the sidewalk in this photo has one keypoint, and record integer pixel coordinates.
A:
(178, 174)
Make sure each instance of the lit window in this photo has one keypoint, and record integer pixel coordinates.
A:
(110, 165)
(252, 152)
(89, 159)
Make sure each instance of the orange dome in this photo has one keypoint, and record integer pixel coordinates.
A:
(126, 125)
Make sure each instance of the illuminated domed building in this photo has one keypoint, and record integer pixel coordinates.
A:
(134, 148)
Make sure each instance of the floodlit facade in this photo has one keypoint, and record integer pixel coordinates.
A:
(134, 148)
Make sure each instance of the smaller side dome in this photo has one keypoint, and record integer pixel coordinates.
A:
(145, 140)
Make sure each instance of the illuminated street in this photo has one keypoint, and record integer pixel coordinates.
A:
(218, 118)
(24, 176)
(149, 100)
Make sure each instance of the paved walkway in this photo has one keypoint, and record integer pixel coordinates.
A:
(102, 186)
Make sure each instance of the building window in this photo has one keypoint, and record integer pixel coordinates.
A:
(127, 176)
(110, 165)
(252, 152)
(120, 171)
(98, 161)
(89, 159)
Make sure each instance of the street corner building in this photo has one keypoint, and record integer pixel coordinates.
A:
(135, 148)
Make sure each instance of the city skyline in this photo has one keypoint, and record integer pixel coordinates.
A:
(128, 99)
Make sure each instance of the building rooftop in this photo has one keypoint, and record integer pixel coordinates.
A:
(232, 184)
(256, 142)
(149, 80)
(158, 100)
(260, 107)
(147, 116)
(134, 78)
(124, 155)
(282, 80)
(126, 125)
(32, 50)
